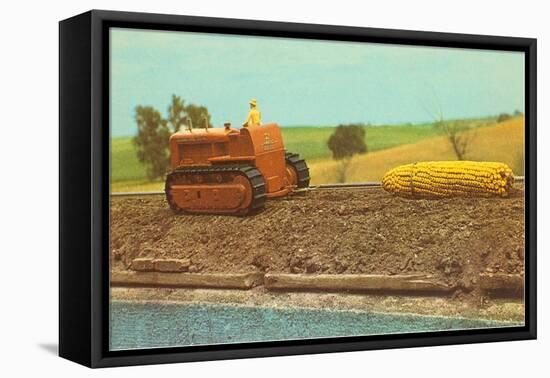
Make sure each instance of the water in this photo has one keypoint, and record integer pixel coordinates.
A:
(149, 325)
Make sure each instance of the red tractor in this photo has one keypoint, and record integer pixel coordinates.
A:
(230, 171)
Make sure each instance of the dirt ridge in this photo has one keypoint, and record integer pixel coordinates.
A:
(332, 232)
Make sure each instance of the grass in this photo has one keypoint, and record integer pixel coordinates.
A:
(128, 174)
(137, 186)
(311, 142)
(125, 165)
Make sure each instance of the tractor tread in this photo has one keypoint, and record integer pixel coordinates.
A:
(301, 168)
(253, 175)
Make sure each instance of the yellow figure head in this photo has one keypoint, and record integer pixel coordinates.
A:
(252, 103)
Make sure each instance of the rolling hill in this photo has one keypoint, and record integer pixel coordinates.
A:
(502, 142)
(389, 146)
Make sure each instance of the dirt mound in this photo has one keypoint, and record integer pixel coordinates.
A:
(332, 231)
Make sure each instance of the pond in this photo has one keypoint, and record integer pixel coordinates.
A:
(149, 325)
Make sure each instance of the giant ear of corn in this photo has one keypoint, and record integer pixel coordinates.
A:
(440, 179)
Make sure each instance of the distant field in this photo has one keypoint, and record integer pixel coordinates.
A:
(311, 142)
(502, 142)
(128, 174)
(125, 165)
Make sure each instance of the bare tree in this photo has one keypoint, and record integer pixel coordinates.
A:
(459, 135)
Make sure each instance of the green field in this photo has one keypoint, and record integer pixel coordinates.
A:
(125, 165)
(310, 142)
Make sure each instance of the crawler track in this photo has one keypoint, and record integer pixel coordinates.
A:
(302, 171)
(224, 173)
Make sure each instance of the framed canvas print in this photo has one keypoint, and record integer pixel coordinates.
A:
(235, 188)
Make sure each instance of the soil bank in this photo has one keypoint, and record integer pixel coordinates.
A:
(332, 231)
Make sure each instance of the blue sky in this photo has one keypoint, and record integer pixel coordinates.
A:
(307, 82)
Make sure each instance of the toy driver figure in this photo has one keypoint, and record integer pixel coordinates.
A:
(254, 116)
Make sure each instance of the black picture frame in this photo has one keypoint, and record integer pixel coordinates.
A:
(84, 187)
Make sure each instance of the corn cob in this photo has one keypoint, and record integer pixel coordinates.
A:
(442, 179)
